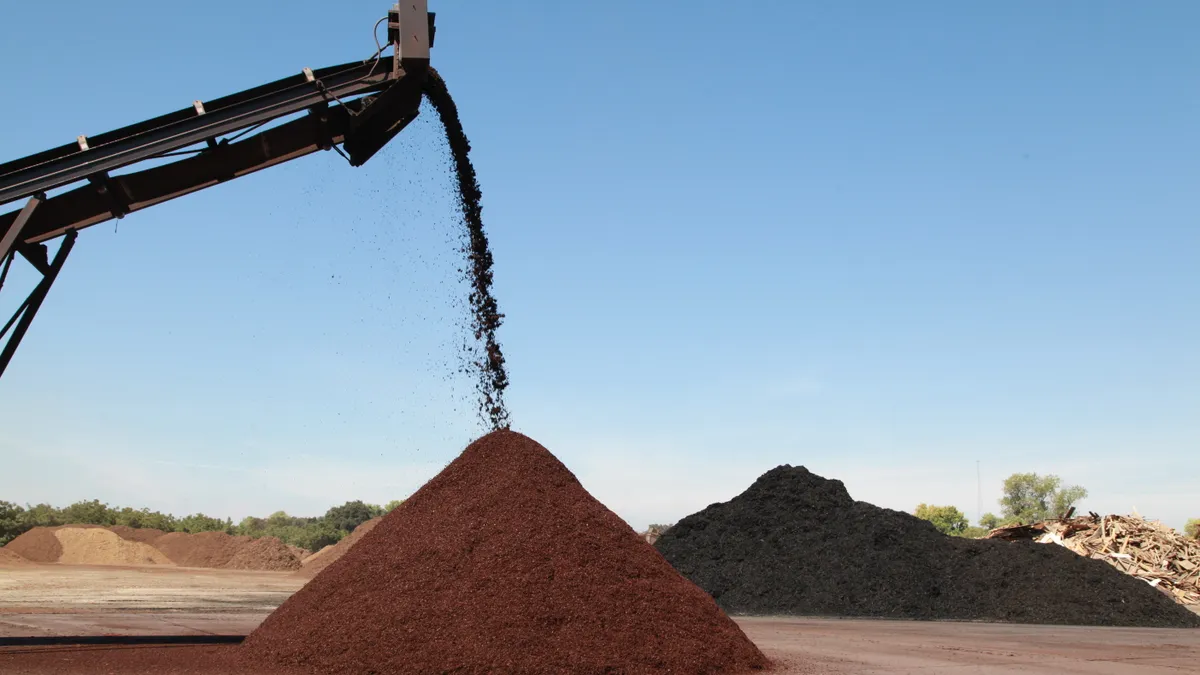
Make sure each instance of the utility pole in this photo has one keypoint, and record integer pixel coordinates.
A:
(978, 494)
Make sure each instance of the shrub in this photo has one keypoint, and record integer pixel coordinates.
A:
(1192, 529)
(351, 514)
(12, 521)
(947, 519)
(1030, 498)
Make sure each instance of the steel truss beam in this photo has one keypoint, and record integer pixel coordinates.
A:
(29, 309)
(360, 106)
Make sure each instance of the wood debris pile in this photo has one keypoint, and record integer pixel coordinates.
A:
(1146, 549)
(652, 534)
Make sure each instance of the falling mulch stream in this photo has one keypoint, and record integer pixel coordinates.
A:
(486, 316)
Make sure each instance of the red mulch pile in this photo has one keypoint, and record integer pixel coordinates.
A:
(220, 550)
(146, 535)
(37, 545)
(40, 544)
(264, 553)
(502, 563)
(10, 559)
(313, 567)
(203, 549)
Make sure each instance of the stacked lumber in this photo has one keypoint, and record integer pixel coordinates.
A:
(1146, 549)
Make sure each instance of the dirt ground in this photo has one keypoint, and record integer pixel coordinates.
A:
(878, 646)
(65, 600)
(92, 600)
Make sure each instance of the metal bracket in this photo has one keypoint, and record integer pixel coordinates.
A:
(10, 237)
(320, 117)
(36, 255)
(409, 31)
(28, 309)
(117, 203)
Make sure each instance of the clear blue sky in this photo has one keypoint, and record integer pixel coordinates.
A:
(882, 240)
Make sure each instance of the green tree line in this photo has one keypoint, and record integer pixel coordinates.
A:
(310, 533)
(1026, 498)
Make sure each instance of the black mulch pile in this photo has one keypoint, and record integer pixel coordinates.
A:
(795, 543)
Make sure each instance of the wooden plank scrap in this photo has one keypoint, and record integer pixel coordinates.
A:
(1142, 548)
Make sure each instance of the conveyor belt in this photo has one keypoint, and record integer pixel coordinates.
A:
(359, 106)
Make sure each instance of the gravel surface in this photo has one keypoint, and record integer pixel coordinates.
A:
(795, 646)
(797, 544)
(132, 660)
(76, 589)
